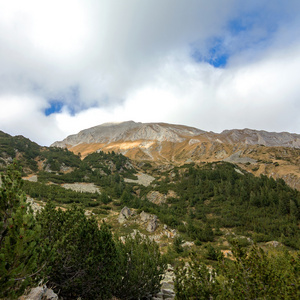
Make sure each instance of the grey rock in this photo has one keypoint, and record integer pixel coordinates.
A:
(145, 217)
(151, 221)
(50, 295)
(125, 213)
(236, 158)
(36, 293)
(130, 131)
(274, 244)
(152, 225)
(167, 286)
(143, 179)
(40, 293)
(168, 292)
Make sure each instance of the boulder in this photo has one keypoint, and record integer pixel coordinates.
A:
(145, 217)
(40, 293)
(125, 213)
(152, 225)
(150, 220)
(50, 295)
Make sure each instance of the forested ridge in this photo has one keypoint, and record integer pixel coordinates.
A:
(215, 206)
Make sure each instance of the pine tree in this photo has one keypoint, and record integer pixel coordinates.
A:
(21, 257)
(141, 268)
(85, 257)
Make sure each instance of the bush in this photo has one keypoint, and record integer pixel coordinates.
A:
(141, 268)
(252, 275)
(21, 255)
(86, 259)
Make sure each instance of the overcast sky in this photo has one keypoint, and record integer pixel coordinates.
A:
(67, 65)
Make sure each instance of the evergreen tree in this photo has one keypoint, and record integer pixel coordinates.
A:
(252, 275)
(141, 268)
(85, 260)
(21, 256)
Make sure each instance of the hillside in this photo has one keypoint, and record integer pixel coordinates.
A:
(203, 204)
(260, 152)
(201, 192)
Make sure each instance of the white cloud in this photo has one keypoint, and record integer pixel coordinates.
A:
(132, 60)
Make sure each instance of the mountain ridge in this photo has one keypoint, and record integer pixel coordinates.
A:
(164, 132)
(257, 151)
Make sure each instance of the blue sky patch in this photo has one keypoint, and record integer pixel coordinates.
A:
(217, 55)
(55, 107)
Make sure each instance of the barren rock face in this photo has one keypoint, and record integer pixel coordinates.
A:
(129, 131)
(254, 137)
(161, 132)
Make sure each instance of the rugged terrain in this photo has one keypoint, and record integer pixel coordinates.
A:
(260, 152)
(190, 191)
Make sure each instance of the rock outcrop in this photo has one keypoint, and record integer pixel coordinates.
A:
(149, 220)
(124, 215)
(40, 293)
(167, 286)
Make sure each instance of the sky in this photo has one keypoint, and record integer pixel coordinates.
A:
(67, 65)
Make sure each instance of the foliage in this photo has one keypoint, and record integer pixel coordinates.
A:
(11, 146)
(141, 268)
(21, 256)
(266, 207)
(59, 194)
(57, 157)
(195, 281)
(177, 244)
(85, 260)
(212, 253)
(253, 275)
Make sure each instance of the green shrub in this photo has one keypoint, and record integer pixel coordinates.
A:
(141, 268)
(86, 258)
(22, 257)
(253, 275)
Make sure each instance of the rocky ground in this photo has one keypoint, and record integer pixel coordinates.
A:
(143, 179)
(82, 187)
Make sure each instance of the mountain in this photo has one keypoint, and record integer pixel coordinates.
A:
(260, 152)
(108, 135)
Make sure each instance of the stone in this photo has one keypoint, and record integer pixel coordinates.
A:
(152, 225)
(274, 244)
(36, 293)
(151, 221)
(145, 217)
(188, 244)
(125, 213)
(167, 286)
(50, 295)
(168, 292)
(156, 197)
(40, 293)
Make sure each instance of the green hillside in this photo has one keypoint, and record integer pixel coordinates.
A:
(216, 207)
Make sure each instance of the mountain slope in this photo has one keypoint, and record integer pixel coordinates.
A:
(259, 152)
(110, 133)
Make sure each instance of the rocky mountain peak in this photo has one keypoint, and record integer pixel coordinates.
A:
(261, 137)
(130, 131)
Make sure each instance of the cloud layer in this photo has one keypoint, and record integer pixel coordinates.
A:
(148, 61)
